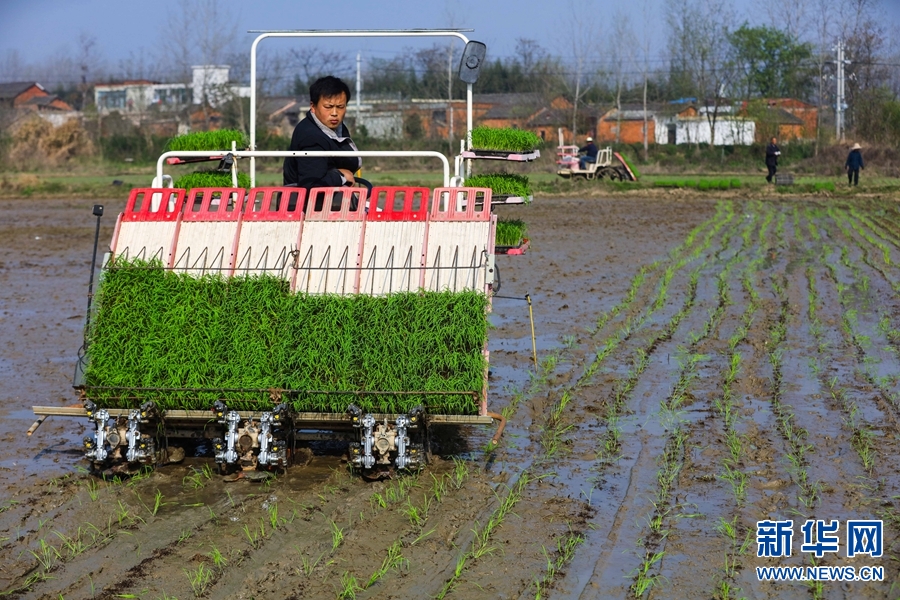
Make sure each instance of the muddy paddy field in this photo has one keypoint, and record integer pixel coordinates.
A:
(703, 365)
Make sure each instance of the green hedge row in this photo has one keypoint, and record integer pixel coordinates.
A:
(700, 184)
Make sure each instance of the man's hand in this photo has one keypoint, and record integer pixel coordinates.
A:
(348, 175)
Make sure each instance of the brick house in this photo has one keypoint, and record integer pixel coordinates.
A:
(29, 96)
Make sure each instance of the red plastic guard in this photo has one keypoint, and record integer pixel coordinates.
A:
(214, 204)
(461, 204)
(140, 204)
(397, 203)
(275, 204)
(321, 204)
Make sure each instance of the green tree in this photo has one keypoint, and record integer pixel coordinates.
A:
(772, 64)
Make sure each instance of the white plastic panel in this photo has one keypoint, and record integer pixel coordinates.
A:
(329, 257)
(265, 247)
(145, 240)
(392, 257)
(457, 255)
(205, 247)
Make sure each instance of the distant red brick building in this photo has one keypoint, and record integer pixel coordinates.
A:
(31, 96)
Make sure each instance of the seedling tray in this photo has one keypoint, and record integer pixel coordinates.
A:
(514, 250)
(501, 155)
(511, 199)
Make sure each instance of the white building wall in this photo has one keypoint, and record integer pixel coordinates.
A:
(210, 82)
(697, 130)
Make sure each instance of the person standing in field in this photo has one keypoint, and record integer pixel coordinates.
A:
(772, 154)
(854, 164)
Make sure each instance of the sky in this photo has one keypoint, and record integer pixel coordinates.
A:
(40, 30)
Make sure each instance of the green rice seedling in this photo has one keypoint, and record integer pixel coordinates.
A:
(666, 183)
(274, 521)
(157, 502)
(337, 536)
(438, 487)
(74, 545)
(349, 586)
(123, 514)
(200, 579)
(735, 183)
(194, 481)
(219, 561)
(308, 565)
(253, 536)
(393, 561)
(93, 489)
(643, 580)
(630, 166)
(46, 555)
(421, 537)
(460, 473)
(442, 334)
(502, 184)
(208, 140)
(504, 139)
(510, 232)
(210, 178)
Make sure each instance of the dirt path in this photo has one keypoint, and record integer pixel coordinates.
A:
(704, 366)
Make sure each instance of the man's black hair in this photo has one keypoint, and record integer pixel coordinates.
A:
(327, 87)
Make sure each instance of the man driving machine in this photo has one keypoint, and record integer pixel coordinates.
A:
(323, 129)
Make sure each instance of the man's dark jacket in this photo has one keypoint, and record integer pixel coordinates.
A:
(319, 171)
(772, 155)
(590, 150)
(855, 160)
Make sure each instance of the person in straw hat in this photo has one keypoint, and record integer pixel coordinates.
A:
(854, 164)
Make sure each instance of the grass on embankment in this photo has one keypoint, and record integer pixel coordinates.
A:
(99, 183)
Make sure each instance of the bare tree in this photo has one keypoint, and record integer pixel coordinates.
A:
(88, 62)
(621, 53)
(864, 38)
(792, 17)
(824, 23)
(645, 43)
(310, 63)
(12, 67)
(699, 45)
(204, 32)
(583, 34)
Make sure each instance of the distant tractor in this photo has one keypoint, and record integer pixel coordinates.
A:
(610, 165)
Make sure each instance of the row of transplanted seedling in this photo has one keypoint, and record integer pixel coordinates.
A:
(111, 510)
(882, 221)
(766, 273)
(666, 512)
(562, 547)
(555, 431)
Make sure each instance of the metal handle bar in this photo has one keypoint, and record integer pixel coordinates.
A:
(305, 153)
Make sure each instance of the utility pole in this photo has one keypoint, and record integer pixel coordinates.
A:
(450, 96)
(358, 86)
(839, 105)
